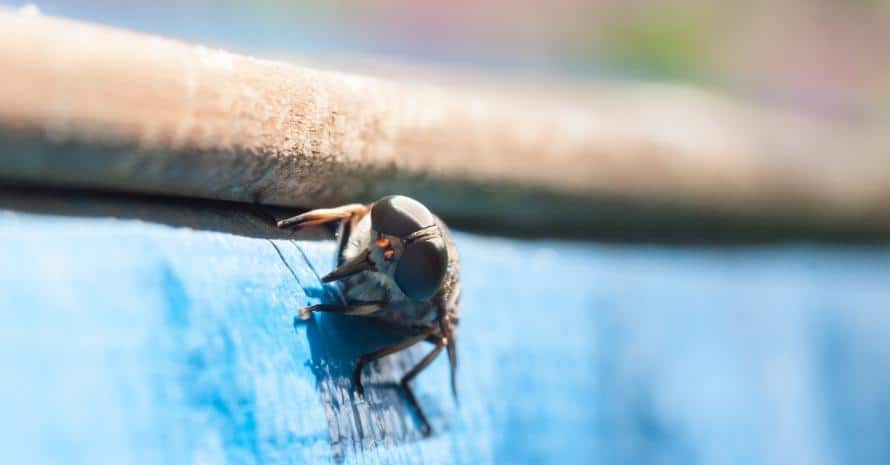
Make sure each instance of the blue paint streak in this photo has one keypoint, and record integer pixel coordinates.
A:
(127, 341)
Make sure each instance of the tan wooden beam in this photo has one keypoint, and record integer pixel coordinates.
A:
(90, 106)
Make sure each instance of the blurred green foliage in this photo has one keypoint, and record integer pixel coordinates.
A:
(663, 43)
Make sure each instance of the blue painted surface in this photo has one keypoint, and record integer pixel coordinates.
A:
(130, 341)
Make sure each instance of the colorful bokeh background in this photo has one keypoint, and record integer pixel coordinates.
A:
(827, 56)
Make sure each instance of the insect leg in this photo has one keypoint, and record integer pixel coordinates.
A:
(448, 330)
(407, 388)
(452, 363)
(404, 329)
(383, 352)
(323, 215)
(447, 319)
(361, 262)
(365, 309)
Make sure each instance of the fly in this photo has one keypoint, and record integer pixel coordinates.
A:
(397, 263)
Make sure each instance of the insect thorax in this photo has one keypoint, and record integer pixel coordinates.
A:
(371, 286)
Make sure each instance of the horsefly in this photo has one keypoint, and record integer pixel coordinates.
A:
(398, 263)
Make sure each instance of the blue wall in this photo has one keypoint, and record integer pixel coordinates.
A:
(156, 333)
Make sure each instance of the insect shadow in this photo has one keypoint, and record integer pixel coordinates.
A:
(382, 415)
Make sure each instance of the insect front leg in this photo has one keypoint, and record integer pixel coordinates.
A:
(323, 215)
(363, 309)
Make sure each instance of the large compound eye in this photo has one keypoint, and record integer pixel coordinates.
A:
(421, 268)
(400, 216)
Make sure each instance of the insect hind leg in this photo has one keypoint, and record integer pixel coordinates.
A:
(409, 394)
(365, 359)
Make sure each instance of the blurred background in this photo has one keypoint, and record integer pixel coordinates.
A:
(822, 55)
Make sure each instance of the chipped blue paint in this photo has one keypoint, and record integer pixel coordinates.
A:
(129, 341)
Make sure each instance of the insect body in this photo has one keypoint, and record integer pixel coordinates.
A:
(397, 263)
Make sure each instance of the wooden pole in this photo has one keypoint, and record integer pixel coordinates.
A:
(90, 106)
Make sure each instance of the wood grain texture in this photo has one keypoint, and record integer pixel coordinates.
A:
(96, 107)
(142, 332)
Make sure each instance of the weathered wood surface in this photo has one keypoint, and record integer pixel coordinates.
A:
(140, 331)
(92, 106)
